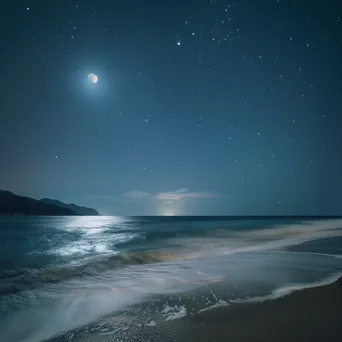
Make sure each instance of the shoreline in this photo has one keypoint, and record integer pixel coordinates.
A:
(311, 314)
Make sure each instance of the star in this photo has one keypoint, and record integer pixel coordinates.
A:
(189, 109)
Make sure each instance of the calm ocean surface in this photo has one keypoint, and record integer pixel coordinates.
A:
(94, 276)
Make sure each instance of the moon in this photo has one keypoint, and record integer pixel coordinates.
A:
(93, 78)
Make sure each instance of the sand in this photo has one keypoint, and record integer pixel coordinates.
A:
(313, 314)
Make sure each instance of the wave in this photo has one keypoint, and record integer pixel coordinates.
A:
(81, 300)
(18, 280)
(88, 244)
(220, 243)
(289, 289)
(219, 304)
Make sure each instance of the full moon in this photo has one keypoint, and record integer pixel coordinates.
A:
(93, 78)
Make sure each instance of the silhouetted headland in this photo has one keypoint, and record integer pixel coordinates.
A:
(11, 204)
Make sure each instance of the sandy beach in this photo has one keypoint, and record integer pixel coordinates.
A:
(312, 314)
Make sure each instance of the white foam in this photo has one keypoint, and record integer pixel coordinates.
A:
(151, 324)
(120, 238)
(219, 304)
(287, 290)
(172, 313)
(93, 244)
(81, 248)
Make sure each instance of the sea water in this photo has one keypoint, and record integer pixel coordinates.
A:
(74, 277)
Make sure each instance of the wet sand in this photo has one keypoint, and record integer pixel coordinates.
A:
(313, 314)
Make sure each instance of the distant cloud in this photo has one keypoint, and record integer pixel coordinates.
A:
(136, 194)
(183, 193)
(169, 197)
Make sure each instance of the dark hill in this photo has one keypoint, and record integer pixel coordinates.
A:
(11, 204)
(77, 209)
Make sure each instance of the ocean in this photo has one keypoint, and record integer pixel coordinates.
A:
(107, 278)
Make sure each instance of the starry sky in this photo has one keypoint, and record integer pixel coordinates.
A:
(202, 107)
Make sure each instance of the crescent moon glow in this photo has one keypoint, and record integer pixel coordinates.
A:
(93, 78)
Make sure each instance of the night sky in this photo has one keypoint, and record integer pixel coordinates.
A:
(201, 107)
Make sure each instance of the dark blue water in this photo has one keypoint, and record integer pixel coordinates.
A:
(78, 271)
